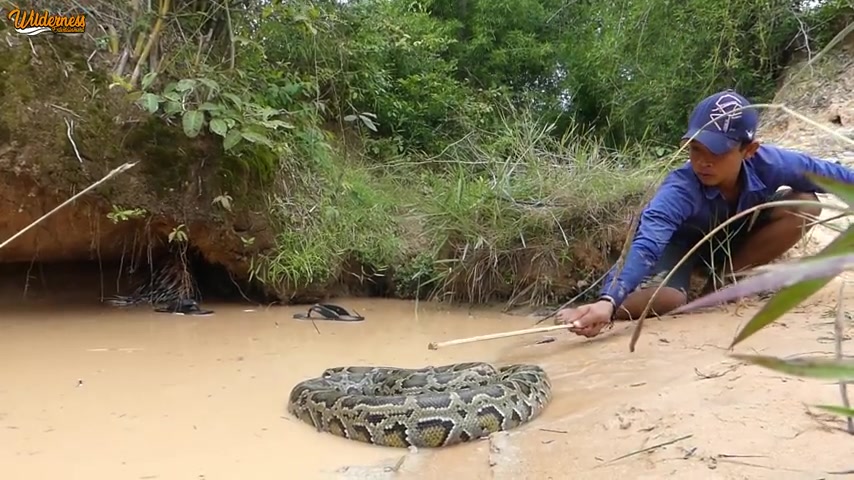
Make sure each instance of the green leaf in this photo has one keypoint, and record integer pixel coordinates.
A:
(172, 108)
(266, 112)
(292, 89)
(232, 138)
(169, 88)
(274, 124)
(787, 298)
(212, 85)
(192, 121)
(368, 123)
(844, 191)
(219, 127)
(185, 85)
(256, 137)
(150, 102)
(210, 107)
(811, 367)
(845, 412)
(778, 305)
(148, 79)
(234, 98)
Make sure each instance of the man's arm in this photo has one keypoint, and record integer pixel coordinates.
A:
(791, 166)
(664, 214)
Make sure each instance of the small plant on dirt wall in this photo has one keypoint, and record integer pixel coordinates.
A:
(119, 214)
(223, 201)
(416, 278)
(179, 236)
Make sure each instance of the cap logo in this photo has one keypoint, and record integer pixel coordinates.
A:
(727, 108)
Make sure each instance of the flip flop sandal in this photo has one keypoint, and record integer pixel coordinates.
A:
(328, 311)
(184, 307)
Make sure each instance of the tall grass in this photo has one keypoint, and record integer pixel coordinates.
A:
(514, 214)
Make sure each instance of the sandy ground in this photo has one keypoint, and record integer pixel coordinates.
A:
(716, 417)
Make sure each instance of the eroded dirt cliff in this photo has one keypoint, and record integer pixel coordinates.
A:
(63, 127)
(823, 91)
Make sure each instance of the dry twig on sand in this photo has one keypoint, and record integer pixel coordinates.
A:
(649, 449)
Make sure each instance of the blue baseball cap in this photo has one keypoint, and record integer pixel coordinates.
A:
(729, 122)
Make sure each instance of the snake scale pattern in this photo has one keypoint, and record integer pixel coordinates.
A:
(427, 407)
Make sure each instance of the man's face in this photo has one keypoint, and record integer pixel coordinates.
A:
(713, 170)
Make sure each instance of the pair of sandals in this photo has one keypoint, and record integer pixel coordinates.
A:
(328, 311)
(184, 306)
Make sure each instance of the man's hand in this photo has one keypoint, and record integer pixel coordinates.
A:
(587, 320)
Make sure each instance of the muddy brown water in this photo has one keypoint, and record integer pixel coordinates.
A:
(89, 391)
(102, 393)
(93, 392)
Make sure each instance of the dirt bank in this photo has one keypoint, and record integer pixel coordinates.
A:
(823, 92)
(65, 123)
(63, 127)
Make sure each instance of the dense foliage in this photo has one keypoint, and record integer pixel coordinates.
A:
(490, 147)
(630, 69)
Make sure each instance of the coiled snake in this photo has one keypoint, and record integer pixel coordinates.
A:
(427, 407)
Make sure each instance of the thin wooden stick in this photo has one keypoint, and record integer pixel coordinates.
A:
(116, 171)
(493, 336)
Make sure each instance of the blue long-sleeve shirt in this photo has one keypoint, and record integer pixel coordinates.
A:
(685, 210)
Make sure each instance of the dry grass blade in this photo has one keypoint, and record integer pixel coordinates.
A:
(839, 37)
(781, 276)
(651, 448)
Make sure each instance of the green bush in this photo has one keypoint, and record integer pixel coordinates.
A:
(506, 141)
